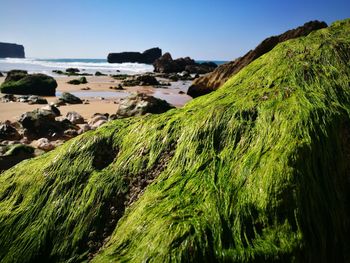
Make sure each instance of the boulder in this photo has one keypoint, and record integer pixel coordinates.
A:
(41, 123)
(8, 132)
(97, 120)
(29, 84)
(141, 104)
(44, 144)
(9, 50)
(70, 98)
(1, 75)
(143, 80)
(147, 57)
(72, 70)
(98, 73)
(84, 128)
(212, 81)
(79, 81)
(36, 100)
(75, 117)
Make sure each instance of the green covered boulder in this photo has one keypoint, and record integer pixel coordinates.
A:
(22, 83)
(257, 171)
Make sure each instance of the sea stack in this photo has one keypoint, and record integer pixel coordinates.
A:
(147, 57)
(8, 50)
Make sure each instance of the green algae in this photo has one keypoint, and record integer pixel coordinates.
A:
(254, 172)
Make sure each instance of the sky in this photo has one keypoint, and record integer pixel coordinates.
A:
(201, 29)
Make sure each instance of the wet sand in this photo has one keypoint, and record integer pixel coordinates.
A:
(101, 98)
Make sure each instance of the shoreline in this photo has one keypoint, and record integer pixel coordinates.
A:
(100, 96)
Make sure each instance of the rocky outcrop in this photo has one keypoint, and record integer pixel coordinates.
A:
(147, 57)
(142, 80)
(212, 81)
(8, 50)
(19, 82)
(69, 98)
(166, 64)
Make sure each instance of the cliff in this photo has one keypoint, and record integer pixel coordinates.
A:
(147, 57)
(220, 75)
(8, 50)
(254, 172)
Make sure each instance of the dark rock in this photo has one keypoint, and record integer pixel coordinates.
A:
(120, 76)
(98, 73)
(220, 75)
(141, 104)
(8, 132)
(72, 70)
(1, 75)
(202, 68)
(59, 72)
(9, 50)
(70, 98)
(82, 80)
(15, 75)
(15, 154)
(70, 133)
(36, 100)
(25, 84)
(41, 123)
(166, 64)
(8, 98)
(143, 80)
(147, 57)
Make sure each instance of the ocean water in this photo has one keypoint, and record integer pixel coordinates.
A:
(36, 65)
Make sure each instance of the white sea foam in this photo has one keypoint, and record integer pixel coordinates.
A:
(88, 65)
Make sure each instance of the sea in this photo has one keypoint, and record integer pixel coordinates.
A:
(46, 66)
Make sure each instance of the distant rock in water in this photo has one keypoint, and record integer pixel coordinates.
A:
(166, 64)
(8, 50)
(22, 83)
(147, 57)
(218, 77)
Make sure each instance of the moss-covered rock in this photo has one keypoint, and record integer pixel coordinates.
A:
(256, 171)
(19, 82)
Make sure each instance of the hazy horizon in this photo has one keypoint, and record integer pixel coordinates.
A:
(203, 30)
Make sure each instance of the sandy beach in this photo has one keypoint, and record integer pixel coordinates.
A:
(100, 98)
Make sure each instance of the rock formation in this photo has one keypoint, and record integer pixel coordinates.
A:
(20, 82)
(166, 64)
(257, 171)
(220, 75)
(147, 57)
(8, 50)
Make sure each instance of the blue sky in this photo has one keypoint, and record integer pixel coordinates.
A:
(202, 29)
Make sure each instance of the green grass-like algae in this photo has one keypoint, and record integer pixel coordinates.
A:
(254, 172)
